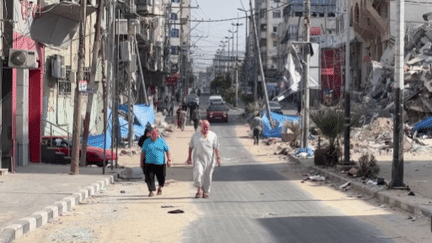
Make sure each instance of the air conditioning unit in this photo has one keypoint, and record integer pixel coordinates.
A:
(121, 27)
(58, 69)
(143, 6)
(22, 59)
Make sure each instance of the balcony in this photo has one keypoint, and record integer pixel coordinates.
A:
(369, 18)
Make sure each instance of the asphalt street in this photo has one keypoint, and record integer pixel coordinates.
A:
(251, 202)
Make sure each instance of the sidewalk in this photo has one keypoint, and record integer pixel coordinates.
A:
(37, 193)
(417, 176)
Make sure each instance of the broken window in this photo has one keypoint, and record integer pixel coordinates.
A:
(276, 14)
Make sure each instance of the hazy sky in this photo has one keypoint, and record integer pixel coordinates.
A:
(214, 32)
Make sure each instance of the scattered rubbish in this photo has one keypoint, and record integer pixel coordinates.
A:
(176, 211)
(380, 181)
(167, 206)
(345, 185)
(317, 178)
(411, 193)
(371, 182)
(304, 152)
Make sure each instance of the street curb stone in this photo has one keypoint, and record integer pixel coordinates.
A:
(381, 195)
(40, 218)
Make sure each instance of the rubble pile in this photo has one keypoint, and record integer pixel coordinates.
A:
(417, 92)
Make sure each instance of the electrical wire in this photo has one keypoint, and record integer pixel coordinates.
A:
(255, 14)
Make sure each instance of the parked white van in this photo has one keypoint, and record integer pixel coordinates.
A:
(216, 99)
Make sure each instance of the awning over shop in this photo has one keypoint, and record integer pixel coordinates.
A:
(57, 23)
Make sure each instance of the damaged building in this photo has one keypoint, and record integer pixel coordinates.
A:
(378, 83)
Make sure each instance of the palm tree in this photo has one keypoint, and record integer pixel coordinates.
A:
(330, 122)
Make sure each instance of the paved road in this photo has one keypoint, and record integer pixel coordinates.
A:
(250, 202)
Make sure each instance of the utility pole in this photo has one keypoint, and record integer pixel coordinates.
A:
(255, 77)
(181, 59)
(261, 68)
(131, 37)
(92, 84)
(146, 101)
(77, 99)
(398, 166)
(306, 55)
(236, 62)
(105, 103)
(347, 85)
(246, 62)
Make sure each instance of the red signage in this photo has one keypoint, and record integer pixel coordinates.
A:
(315, 31)
(171, 80)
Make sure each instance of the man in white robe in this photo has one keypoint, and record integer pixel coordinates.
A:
(205, 148)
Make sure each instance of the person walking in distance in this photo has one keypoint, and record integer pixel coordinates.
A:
(205, 148)
(141, 143)
(257, 126)
(154, 150)
(196, 117)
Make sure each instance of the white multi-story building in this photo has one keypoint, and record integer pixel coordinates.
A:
(268, 18)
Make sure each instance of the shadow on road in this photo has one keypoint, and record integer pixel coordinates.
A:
(333, 229)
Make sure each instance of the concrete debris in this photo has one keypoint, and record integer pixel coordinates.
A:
(353, 172)
(418, 77)
(345, 185)
(317, 178)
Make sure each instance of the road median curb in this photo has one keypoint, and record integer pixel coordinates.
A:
(382, 195)
(40, 218)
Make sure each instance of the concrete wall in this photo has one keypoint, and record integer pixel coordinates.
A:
(58, 108)
(413, 14)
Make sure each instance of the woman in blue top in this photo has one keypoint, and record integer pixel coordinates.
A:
(154, 150)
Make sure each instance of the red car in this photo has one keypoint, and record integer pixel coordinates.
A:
(217, 112)
(57, 149)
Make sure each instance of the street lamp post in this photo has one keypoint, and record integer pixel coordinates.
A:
(233, 56)
(229, 56)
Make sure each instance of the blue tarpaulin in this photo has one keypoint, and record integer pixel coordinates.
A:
(280, 119)
(143, 114)
(426, 124)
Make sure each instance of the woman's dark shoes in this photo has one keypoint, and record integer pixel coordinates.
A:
(159, 191)
(151, 194)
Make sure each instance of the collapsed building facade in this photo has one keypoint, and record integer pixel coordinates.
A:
(377, 83)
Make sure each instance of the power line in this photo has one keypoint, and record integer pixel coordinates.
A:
(231, 19)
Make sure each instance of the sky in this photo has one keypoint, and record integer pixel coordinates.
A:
(207, 35)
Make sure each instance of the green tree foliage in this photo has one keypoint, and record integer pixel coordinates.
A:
(330, 122)
(220, 83)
